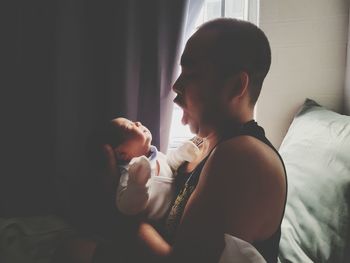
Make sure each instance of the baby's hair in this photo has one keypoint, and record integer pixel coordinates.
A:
(108, 133)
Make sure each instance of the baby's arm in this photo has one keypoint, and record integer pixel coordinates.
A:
(132, 192)
(185, 152)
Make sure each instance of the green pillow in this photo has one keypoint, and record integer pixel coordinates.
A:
(316, 152)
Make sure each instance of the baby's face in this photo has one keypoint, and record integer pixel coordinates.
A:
(137, 142)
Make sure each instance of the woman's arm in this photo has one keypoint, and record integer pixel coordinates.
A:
(152, 242)
(200, 236)
(241, 192)
(111, 176)
(238, 193)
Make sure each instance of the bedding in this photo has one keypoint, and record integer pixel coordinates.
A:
(316, 152)
(32, 239)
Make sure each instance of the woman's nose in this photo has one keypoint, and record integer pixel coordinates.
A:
(138, 124)
(177, 87)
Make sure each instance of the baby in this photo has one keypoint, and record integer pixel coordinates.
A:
(147, 176)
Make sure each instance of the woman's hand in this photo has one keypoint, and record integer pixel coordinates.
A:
(111, 174)
(152, 242)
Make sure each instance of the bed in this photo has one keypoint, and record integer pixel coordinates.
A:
(316, 152)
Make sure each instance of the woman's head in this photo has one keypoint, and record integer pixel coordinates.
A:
(223, 67)
(239, 46)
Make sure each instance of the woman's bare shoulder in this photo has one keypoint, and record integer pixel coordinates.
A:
(251, 176)
(246, 153)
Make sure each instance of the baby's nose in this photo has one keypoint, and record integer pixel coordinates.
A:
(138, 124)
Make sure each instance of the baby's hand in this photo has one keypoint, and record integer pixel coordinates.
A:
(139, 170)
(189, 151)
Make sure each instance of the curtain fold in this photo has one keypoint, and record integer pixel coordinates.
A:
(114, 59)
(89, 90)
(27, 80)
(74, 65)
(154, 35)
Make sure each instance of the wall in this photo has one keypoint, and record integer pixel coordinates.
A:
(347, 77)
(308, 41)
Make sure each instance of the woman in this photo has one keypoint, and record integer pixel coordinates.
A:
(231, 198)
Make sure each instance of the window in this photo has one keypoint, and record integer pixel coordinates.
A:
(211, 9)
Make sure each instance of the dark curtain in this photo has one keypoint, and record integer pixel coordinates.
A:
(116, 58)
(28, 53)
(70, 66)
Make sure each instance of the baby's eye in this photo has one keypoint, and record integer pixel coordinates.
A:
(127, 126)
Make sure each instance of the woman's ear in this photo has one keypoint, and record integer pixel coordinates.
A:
(238, 84)
(244, 78)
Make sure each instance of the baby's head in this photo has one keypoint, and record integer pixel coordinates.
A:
(129, 139)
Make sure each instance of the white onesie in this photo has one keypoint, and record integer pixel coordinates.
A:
(142, 189)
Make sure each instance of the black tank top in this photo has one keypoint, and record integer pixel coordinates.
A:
(187, 182)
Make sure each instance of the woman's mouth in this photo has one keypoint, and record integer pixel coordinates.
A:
(178, 101)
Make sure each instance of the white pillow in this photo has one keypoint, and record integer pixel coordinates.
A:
(316, 152)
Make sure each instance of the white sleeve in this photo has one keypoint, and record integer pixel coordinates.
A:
(133, 190)
(185, 152)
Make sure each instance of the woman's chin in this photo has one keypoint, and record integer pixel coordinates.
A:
(193, 129)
